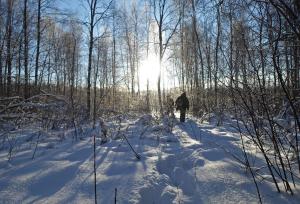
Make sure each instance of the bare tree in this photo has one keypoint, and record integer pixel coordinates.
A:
(9, 27)
(94, 18)
(38, 41)
(162, 10)
(2, 42)
(26, 45)
(114, 63)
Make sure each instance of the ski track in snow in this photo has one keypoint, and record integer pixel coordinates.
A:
(189, 165)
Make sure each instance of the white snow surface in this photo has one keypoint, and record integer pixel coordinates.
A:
(190, 162)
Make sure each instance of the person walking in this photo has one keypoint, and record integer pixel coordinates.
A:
(182, 104)
(170, 106)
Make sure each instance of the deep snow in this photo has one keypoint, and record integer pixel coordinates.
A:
(191, 162)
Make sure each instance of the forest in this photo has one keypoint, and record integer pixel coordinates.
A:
(84, 85)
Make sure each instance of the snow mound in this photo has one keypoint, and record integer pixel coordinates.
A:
(158, 190)
(167, 138)
(144, 120)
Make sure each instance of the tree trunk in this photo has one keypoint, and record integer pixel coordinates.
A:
(93, 5)
(8, 46)
(114, 64)
(1, 75)
(73, 73)
(159, 74)
(38, 27)
(217, 56)
(25, 30)
(1, 59)
(18, 70)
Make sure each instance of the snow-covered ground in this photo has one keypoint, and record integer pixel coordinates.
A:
(187, 163)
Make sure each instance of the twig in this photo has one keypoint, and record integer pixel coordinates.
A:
(36, 146)
(115, 195)
(95, 173)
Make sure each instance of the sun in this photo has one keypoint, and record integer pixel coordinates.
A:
(149, 70)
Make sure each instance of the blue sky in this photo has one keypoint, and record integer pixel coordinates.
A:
(69, 4)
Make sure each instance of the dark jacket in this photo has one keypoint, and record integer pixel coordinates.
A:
(182, 102)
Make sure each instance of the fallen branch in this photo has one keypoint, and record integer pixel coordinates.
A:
(135, 153)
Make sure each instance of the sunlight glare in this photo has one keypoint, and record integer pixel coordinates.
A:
(149, 70)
